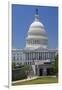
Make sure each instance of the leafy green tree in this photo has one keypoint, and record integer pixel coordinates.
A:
(55, 65)
(20, 72)
(26, 69)
(13, 65)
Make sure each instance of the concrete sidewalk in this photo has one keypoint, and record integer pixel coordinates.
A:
(29, 78)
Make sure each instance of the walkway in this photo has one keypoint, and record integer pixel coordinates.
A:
(29, 78)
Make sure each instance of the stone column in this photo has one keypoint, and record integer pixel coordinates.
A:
(46, 55)
(44, 71)
(38, 56)
(29, 56)
(42, 56)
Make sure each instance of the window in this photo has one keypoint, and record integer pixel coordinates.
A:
(13, 57)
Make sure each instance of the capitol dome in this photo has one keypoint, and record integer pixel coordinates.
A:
(36, 36)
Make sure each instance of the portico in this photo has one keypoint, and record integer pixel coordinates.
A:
(38, 55)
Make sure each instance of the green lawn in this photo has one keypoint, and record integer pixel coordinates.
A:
(40, 80)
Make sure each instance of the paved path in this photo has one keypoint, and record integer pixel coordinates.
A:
(29, 78)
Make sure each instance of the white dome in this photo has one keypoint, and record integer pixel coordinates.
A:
(37, 36)
(37, 23)
(36, 28)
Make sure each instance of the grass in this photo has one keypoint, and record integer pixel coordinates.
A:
(40, 80)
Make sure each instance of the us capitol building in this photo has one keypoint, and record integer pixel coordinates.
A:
(36, 52)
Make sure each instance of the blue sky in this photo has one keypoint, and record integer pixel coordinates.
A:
(23, 16)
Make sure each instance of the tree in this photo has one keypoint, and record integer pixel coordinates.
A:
(20, 72)
(55, 65)
(13, 65)
(26, 69)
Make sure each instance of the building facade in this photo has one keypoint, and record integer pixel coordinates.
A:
(36, 53)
